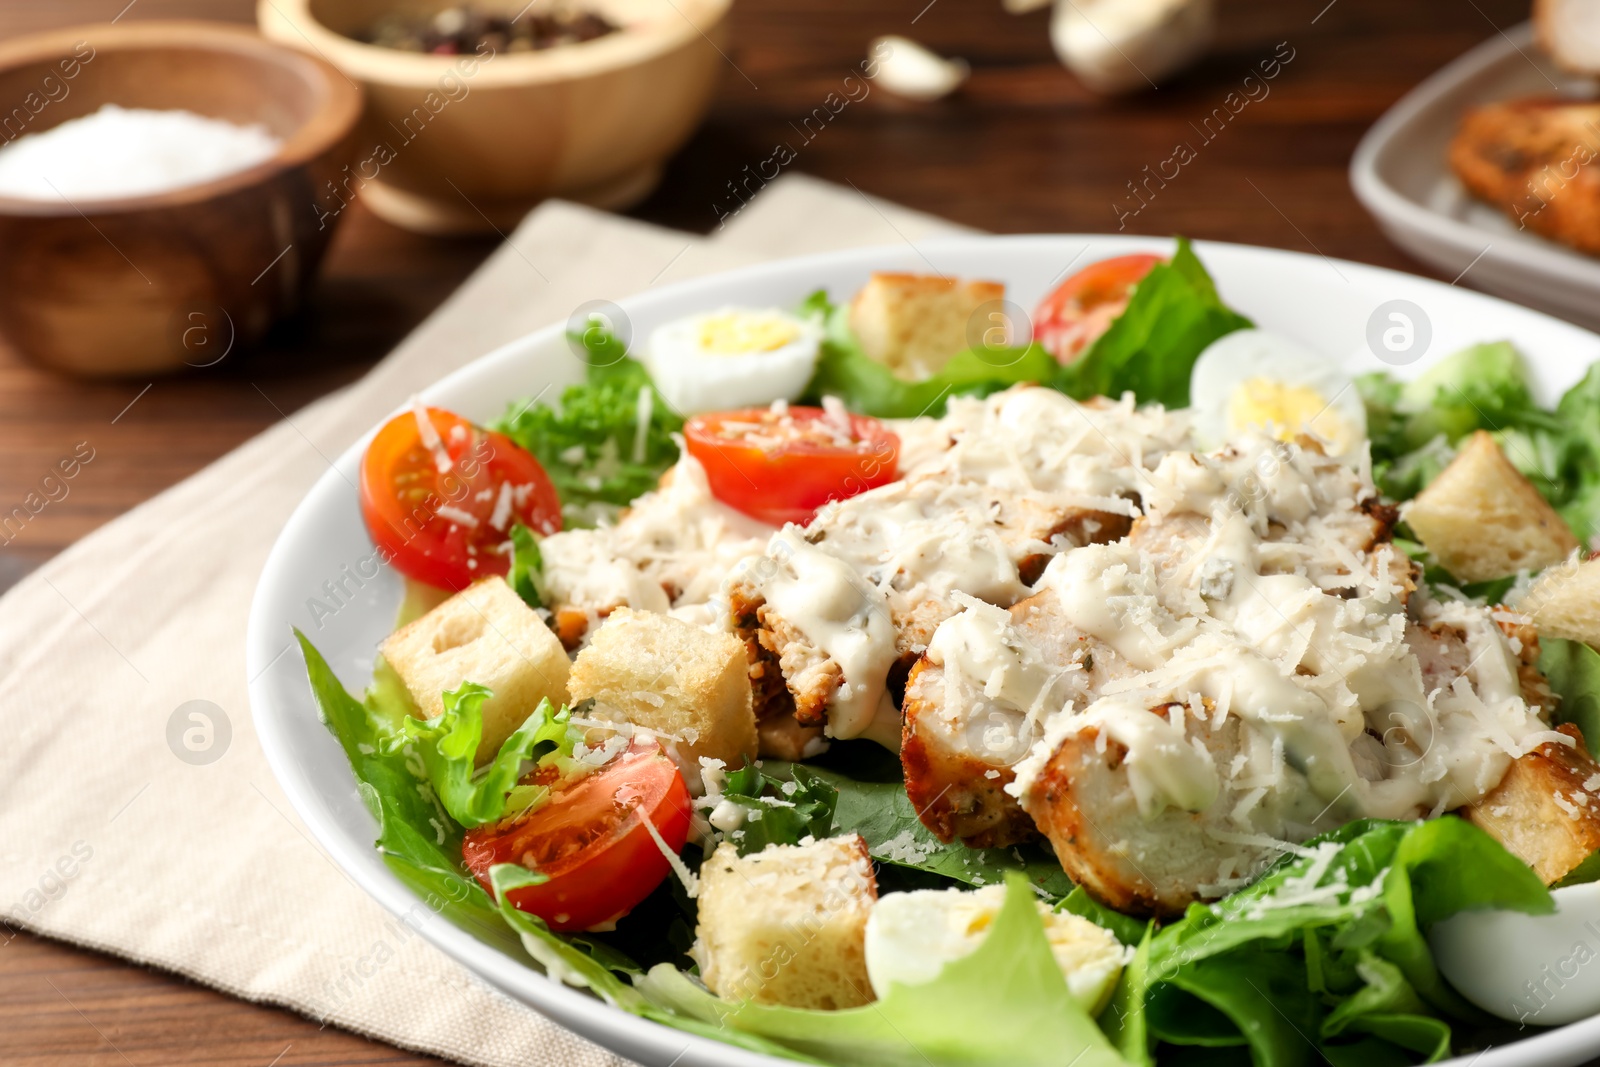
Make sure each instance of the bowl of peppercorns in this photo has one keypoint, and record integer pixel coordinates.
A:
(479, 109)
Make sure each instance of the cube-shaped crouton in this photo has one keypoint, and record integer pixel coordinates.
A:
(787, 925)
(483, 634)
(1546, 810)
(914, 323)
(1565, 602)
(688, 684)
(1482, 519)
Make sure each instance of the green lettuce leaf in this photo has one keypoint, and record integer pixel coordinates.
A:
(526, 576)
(883, 815)
(1573, 669)
(869, 388)
(594, 446)
(421, 843)
(1260, 992)
(1126, 1020)
(783, 818)
(448, 745)
(1333, 940)
(1150, 349)
(1579, 416)
(1126, 928)
(1005, 1005)
(418, 839)
(1415, 428)
(1484, 387)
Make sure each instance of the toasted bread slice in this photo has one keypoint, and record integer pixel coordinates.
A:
(914, 323)
(1482, 519)
(1534, 159)
(1546, 810)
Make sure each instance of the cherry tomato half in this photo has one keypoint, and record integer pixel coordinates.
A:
(1082, 307)
(439, 501)
(782, 465)
(590, 842)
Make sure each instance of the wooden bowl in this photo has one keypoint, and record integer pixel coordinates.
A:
(458, 144)
(151, 283)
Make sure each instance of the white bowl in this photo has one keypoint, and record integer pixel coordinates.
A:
(1324, 304)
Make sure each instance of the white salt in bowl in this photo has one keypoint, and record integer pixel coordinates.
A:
(156, 282)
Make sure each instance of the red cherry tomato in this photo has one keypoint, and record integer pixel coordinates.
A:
(1082, 307)
(781, 466)
(589, 840)
(433, 500)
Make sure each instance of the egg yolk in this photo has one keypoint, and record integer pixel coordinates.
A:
(1288, 409)
(740, 334)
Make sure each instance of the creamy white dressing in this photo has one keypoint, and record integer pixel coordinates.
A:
(924, 540)
(842, 615)
(1274, 611)
(670, 551)
(981, 644)
(995, 480)
(1164, 769)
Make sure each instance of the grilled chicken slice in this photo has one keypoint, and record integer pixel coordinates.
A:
(1144, 864)
(960, 743)
(1027, 475)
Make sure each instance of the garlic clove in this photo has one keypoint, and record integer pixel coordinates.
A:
(1119, 46)
(1569, 32)
(907, 69)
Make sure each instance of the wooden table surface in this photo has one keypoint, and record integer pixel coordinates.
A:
(1022, 148)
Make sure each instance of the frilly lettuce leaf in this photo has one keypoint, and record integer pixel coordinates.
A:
(1005, 1005)
(418, 839)
(421, 843)
(448, 743)
(1415, 427)
(591, 443)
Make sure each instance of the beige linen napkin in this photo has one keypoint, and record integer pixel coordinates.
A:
(109, 840)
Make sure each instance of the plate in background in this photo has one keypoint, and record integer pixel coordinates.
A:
(1326, 305)
(1401, 174)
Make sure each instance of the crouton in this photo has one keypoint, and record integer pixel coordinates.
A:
(787, 925)
(687, 684)
(1569, 32)
(1532, 159)
(1482, 519)
(483, 634)
(1565, 602)
(914, 323)
(1546, 810)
